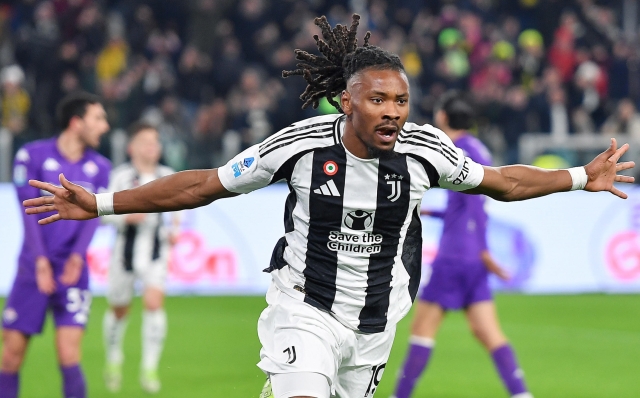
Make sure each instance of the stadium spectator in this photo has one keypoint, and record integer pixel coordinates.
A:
(198, 50)
(626, 120)
(14, 100)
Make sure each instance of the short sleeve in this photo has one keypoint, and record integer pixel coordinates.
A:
(246, 172)
(464, 174)
(460, 172)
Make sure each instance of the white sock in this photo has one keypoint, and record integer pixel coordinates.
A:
(154, 330)
(113, 333)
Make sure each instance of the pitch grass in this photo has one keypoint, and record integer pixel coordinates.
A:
(569, 346)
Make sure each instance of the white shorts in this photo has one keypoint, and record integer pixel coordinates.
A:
(299, 338)
(121, 282)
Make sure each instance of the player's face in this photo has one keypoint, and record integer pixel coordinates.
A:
(93, 125)
(145, 147)
(376, 103)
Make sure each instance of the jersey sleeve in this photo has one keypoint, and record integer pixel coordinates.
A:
(25, 168)
(459, 172)
(247, 171)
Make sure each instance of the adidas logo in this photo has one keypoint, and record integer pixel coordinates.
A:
(329, 189)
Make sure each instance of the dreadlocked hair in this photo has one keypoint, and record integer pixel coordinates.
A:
(327, 74)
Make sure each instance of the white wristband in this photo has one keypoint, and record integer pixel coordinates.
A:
(104, 203)
(579, 178)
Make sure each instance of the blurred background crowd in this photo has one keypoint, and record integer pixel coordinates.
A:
(208, 72)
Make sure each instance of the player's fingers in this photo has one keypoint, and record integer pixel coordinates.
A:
(40, 209)
(45, 186)
(625, 166)
(41, 201)
(618, 153)
(618, 193)
(66, 183)
(627, 179)
(612, 147)
(50, 219)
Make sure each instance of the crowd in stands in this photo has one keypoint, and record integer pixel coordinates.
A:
(208, 72)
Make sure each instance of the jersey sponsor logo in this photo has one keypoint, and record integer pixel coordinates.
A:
(464, 173)
(330, 168)
(51, 164)
(90, 168)
(358, 220)
(395, 181)
(23, 155)
(10, 315)
(328, 189)
(20, 175)
(367, 243)
(241, 166)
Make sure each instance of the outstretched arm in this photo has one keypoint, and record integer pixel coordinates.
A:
(184, 190)
(518, 182)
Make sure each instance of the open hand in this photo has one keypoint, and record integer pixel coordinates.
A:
(72, 269)
(44, 276)
(603, 170)
(71, 202)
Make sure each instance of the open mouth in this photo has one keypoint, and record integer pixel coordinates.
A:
(387, 133)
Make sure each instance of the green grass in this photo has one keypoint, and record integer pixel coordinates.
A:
(569, 346)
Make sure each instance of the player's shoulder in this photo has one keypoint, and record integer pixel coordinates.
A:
(34, 150)
(427, 142)
(314, 132)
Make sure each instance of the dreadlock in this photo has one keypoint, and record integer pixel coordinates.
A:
(340, 58)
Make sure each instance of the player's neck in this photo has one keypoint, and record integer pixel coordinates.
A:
(144, 167)
(352, 143)
(70, 146)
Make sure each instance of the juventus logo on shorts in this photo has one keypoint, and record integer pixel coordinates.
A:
(395, 183)
(291, 351)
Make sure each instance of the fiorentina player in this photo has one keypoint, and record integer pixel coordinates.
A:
(459, 277)
(348, 267)
(52, 272)
(141, 251)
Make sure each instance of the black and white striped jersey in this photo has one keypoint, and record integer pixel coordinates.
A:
(143, 243)
(353, 237)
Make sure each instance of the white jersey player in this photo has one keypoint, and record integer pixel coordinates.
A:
(141, 253)
(347, 268)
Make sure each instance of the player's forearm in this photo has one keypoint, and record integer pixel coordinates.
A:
(519, 182)
(183, 190)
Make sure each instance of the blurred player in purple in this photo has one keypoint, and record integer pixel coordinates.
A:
(459, 278)
(52, 272)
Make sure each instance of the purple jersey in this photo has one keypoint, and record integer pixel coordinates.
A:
(41, 160)
(465, 221)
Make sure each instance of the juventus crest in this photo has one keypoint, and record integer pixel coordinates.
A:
(395, 181)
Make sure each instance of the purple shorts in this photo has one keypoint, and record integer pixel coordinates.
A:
(26, 307)
(456, 284)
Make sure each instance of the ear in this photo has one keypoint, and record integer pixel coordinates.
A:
(345, 102)
(73, 122)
